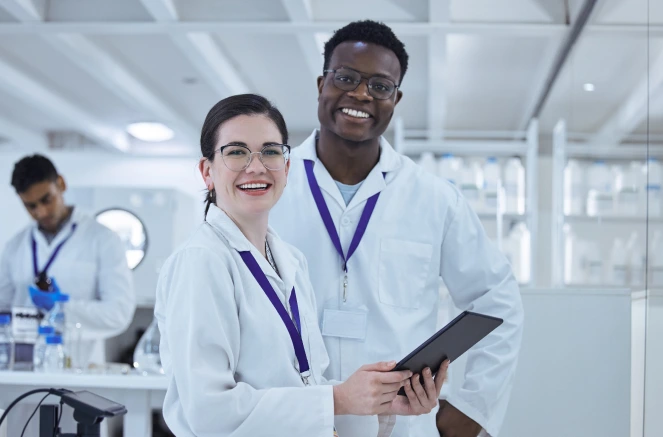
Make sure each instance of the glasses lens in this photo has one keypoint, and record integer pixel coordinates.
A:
(381, 88)
(346, 79)
(236, 158)
(274, 157)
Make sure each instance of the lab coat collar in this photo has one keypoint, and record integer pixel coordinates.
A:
(285, 261)
(77, 216)
(374, 183)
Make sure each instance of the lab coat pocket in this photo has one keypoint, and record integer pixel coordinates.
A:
(404, 267)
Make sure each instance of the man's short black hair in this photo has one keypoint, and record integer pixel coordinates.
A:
(32, 170)
(368, 31)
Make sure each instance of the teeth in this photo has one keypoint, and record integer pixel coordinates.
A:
(252, 186)
(355, 113)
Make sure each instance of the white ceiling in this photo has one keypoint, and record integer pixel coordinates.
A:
(477, 67)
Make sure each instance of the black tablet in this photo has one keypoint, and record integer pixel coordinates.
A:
(450, 342)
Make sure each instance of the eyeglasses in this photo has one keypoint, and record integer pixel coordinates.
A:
(347, 79)
(237, 157)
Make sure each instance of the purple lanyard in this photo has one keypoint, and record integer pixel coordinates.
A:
(295, 331)
(53, 255)
(329, 222)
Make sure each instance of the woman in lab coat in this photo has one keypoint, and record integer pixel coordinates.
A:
(240, 337)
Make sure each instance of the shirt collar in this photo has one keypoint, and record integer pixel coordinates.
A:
(390, 160)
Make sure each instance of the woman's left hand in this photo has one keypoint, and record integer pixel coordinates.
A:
(420, 399)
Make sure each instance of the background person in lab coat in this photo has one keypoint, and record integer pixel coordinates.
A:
(237, 365)
(90, 266)
(379, 299)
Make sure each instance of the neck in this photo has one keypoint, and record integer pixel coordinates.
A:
(347, 162)
(254, 229)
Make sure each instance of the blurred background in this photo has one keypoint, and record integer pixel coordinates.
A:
(548, 114)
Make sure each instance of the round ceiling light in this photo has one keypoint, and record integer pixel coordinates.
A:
(589, 87)
(151, 132)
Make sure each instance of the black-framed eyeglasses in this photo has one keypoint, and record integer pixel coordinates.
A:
(238, 157)
(347, 79)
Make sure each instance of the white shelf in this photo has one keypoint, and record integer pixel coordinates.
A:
(493, 216)
(612, 219)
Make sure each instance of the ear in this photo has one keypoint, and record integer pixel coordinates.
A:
(321, 83)
(205, 168)
(61, 184)
(287, 168)
(399, 95)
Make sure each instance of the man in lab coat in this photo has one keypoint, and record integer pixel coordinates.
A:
(378, 233)
(86, 260)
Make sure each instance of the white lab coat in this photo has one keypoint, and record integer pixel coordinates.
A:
(91, 268)
(228, 355)
(421, 229)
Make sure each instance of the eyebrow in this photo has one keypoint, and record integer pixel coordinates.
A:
(239, 143)
(41, 200)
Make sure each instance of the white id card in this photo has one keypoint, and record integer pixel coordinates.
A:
(344, 324)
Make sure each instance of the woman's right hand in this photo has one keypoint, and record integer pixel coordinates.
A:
(370, 390)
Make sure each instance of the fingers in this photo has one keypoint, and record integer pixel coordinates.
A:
(392, 377)
(412, 397)
(382, 366)
(429, 386)
(441, 376)
(422, 398)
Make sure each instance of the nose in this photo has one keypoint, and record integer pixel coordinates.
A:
(361, 92)
(256, 165)
(40, 212)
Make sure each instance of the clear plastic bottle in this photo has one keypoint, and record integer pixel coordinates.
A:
(53, 355)
(627, 188)
(6, 343)
(600, 195)
(619, 263)
(514, 186)
(653, 187)
(574, 188)
(56, 317)
(40, 348)
(594, 263)
(518, 247)
(471, 183)
(146, 356)
(450, 168)
(574, 249)
(428, 162)
(491, 184)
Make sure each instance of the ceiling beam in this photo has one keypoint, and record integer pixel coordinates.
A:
(200, 48)
(109, 73)
(22, 137)
(26, 11)
(300, 11)
(291, 28)
(439, 12)
(115, 77)
(563, 54)
(32, 92)
(634, 110)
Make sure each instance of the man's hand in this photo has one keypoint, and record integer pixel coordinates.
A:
(452, 423)
(420, 399)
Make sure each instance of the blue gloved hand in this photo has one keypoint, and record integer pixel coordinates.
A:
(44, 300)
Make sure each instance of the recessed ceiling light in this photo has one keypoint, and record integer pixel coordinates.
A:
(589, 87)
(151, 132)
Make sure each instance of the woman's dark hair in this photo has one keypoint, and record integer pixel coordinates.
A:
(32, 170)
(231, 107)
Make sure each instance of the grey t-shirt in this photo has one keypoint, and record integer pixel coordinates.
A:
(348, 191)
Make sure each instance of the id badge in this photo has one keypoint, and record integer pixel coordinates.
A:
(344, 324)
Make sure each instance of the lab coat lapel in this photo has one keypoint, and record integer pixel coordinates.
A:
(285, 261)
(307, 152)
(236, 239)
(375, 182)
